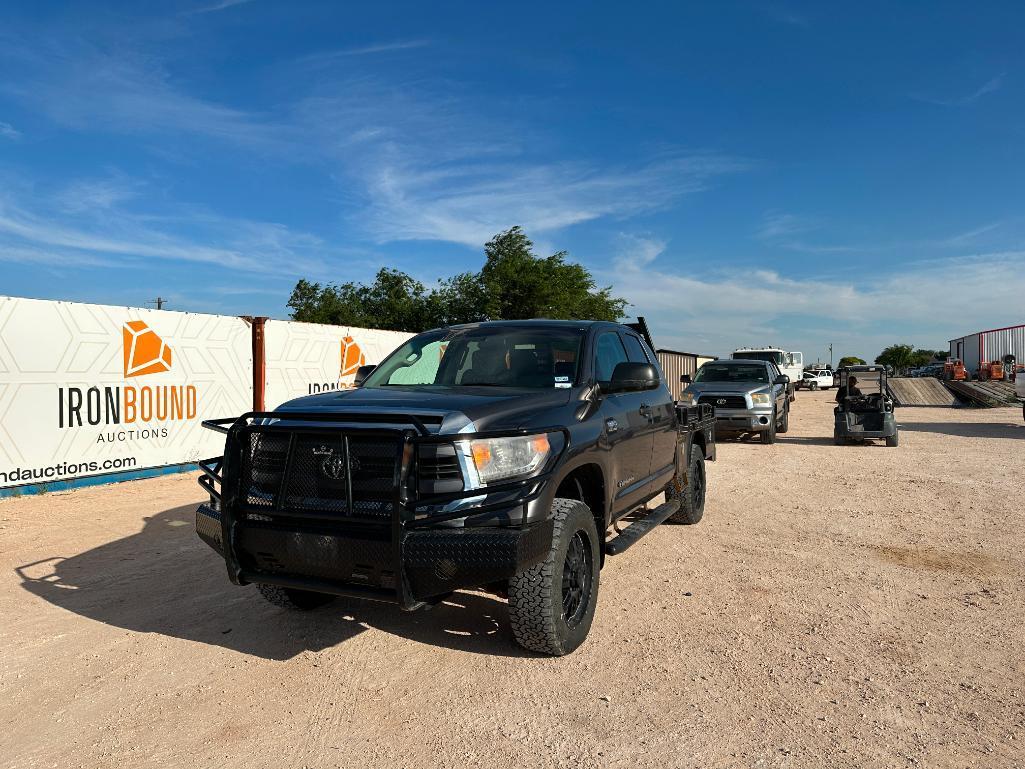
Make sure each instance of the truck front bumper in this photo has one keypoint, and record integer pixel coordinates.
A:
(742, 420)
(432, 562)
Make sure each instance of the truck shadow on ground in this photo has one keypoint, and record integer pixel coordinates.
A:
(164, 580)
(1001, 427)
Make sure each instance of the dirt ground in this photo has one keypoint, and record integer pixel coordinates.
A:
(837, 607)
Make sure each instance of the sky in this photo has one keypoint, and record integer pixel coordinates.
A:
(787, 174)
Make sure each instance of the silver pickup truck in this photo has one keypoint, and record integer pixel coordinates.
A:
(749, 396)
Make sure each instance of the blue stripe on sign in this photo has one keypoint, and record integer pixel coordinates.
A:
(96, 480)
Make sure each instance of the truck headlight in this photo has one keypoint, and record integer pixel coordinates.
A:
(687, 399)
(761, 399)
(498, 459)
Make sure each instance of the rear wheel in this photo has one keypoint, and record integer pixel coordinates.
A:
(892, 440)
(691, 496)
(769, 433)
(551, 604)
(837, 438)
(294, 599)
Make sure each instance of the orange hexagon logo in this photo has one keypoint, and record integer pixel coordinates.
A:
(352, 357)
(144, 351)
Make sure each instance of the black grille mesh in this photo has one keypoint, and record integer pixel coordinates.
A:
(318, 469)
(730, 401)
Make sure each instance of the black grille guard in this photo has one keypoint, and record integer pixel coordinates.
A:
(221, 475)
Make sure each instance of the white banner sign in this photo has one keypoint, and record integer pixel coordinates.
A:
(310, 358)
(89, 389)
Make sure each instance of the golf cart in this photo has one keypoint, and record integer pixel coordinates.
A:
(865, 412)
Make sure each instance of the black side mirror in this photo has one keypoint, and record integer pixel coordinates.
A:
(630, 377)
(362, 373)
(685, 378)
(782, 379)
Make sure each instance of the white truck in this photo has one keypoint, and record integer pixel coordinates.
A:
(789, 363)
(816, 379)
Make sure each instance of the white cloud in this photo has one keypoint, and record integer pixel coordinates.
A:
(717, 313)
(85, 224)
(961, 239)
(636, 252)
(327, 57)
(777, 225)
(218, 6)
(431, 168)
(990, 86)
(7, 131)
(86, 87)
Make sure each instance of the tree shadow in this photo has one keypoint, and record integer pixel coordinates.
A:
(1011, 429)
(164, 580)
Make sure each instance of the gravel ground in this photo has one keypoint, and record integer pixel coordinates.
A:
(837, 607)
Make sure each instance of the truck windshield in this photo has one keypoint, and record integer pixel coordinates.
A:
(772, 356)
(484, 357)
(718, 372)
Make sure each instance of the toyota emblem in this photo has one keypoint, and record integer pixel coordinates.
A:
(720, 402)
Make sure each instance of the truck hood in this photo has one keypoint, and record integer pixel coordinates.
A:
(726, 387)
(445, 410)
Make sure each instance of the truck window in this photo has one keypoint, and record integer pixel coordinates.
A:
(484, 357)
(609, 352)
(634, 349)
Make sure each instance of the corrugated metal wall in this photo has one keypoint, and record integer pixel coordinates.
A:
(997, 344)
(674, 365)
(967, 349)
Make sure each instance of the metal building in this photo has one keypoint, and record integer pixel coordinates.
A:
(989, 345)
(675, 364)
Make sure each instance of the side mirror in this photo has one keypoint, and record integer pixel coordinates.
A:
(362, 373)
(782, 379)
(685, 378)
(631, 377)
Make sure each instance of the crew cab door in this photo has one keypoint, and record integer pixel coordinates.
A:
(663, 415)
(626, 427)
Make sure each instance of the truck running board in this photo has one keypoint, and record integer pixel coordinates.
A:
(642, 526)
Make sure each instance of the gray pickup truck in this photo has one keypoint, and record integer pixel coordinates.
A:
(749, 396)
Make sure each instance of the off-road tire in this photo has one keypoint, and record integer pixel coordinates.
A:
(769, 434)
(692, 496)
(536, 594)
(784, 424)
(294, 599)
(813, 386)
(893, 440)
(837, 439)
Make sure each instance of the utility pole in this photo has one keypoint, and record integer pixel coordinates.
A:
(831, 355)
(159, 302)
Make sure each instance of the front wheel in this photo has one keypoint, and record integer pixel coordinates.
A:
(769, 433)
(784, 425)
(551, 604)
(814, 386)
(691, 496)
(892, 441)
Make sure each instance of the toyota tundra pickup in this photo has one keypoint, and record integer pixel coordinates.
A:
(509, 456)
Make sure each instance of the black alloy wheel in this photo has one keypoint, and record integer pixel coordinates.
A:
(576, 579)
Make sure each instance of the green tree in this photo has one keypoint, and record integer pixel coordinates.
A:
(850, 360)
(900, 356)
(514, 283)
(921, 357)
